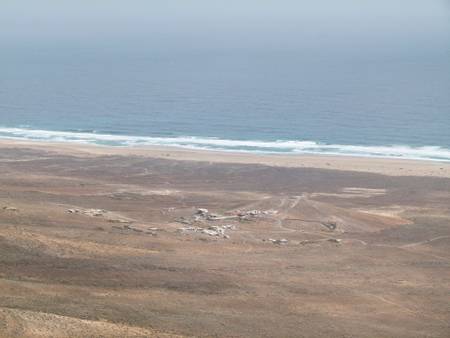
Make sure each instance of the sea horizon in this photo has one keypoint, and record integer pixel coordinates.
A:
(225, 168)
(376, 102)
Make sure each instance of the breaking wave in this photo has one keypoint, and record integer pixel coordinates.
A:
(435, 153)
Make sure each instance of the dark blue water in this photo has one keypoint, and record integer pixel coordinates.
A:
(369, 103)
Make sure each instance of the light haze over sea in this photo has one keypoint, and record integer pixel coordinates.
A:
(352, 77)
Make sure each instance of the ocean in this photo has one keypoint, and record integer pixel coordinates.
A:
(378, 103)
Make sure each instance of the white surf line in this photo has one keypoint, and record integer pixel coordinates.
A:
(429, 153)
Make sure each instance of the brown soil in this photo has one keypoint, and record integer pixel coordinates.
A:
(367, 255)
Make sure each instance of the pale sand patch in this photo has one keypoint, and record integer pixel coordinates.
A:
(353, 193)
(391, 167)
(22, 323)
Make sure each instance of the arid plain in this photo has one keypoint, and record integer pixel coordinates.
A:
(103, 242)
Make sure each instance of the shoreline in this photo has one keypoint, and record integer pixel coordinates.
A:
(437, 153)
(76, 221)
(383, 166)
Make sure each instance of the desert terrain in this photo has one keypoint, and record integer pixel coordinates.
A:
(103, 242)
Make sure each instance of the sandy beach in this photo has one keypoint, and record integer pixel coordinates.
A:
(165, 242)
(390, 167)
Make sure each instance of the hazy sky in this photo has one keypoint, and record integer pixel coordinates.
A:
(225, 22)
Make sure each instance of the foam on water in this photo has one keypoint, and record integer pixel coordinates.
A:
(434, 153)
